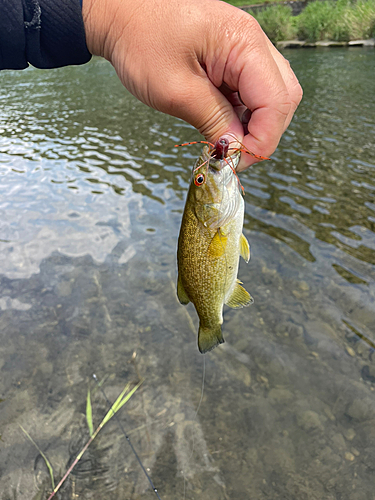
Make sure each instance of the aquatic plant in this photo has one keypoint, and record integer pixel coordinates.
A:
(123, 398)
(47, 462)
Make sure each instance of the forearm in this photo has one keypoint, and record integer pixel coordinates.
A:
(44, 33)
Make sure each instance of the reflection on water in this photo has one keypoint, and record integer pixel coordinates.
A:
(92, 193)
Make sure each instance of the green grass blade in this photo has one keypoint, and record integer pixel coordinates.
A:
(49, 466)
(99, 383)
(89, 413)
(119, 399)
(114, 407)
(119, 403)
(128, 396)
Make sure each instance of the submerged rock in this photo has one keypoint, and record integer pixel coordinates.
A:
(309, 421)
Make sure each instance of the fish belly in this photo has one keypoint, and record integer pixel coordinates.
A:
(207, 281)
(208, 278)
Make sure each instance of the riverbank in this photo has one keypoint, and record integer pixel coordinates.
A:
(317, 23)
(296, 44)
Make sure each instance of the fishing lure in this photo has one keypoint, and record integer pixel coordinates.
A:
(222, 150)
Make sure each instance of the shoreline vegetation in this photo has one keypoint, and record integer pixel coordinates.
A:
(321, 23)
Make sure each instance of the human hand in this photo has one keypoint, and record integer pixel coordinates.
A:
(204, 61)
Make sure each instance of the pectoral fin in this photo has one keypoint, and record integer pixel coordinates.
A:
(209, 338)
(244, 248)
(218, 245)
(181, 294)
(239, 297)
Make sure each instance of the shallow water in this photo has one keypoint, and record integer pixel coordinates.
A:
(92, 193)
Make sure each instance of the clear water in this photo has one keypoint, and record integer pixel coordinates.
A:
(91, 198)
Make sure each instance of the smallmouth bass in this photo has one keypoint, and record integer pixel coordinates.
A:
(209, 245)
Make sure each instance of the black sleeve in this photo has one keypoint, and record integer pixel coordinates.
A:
(44, 33)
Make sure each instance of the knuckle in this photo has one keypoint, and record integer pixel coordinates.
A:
(292, 83)
(295, 89)
(243, 29)
(298, 92)
(284, 102)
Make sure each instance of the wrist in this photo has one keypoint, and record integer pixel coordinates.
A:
(98, 17)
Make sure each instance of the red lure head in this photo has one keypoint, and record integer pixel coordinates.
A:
(220, 149)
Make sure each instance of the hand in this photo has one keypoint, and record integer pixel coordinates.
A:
(204, 61)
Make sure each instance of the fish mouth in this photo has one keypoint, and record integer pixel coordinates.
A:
(231, 161)
(217, 165)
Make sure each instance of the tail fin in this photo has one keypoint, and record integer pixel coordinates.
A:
(209, 338)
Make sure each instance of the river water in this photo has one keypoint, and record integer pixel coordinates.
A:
(92, 194)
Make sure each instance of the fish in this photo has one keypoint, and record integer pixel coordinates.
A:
(210, 243)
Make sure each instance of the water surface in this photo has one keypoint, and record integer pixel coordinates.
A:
(91, 198)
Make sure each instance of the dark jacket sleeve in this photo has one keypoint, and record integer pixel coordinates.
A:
(44, 33)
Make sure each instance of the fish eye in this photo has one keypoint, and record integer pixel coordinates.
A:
(199, 179)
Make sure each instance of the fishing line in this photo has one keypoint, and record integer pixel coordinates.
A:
(202, 390)
(195, 416)
(127, 437)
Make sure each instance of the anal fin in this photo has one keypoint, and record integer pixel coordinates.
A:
(239, 297)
